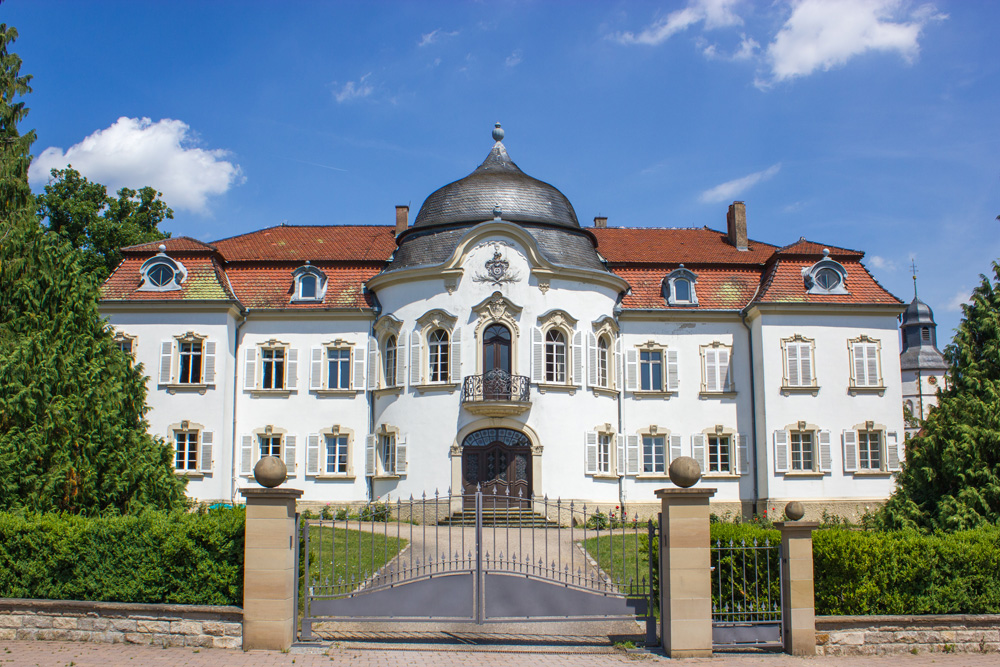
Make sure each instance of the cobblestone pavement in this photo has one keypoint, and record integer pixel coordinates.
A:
(68, 654)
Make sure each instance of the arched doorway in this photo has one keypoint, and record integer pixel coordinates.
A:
(496, 348)
(497, 458)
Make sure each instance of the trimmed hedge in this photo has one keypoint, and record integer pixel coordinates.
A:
(153, 557)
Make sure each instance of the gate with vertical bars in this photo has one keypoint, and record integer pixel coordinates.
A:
(746, 593)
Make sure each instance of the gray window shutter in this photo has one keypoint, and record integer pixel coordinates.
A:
(781, 451)
(416, 364)
(792, 352)
(401, 359)
(860, 379)
(676, 448)
(619, 369)
(744, 458)
(825, 453)
(207, 439)
(250, 367)
(892, 450)
(632, 443)
(578, 359)
(401, 455)
(358, 357)
(290, 454)
(850, 451)
(620, 465)
(292, 369)
(316, 368)
(673, 371)
(698, 450)
(805, 360)
(373, 364)
(591, 359)
(370, 442)
(711, 371)
(246, 455)
(209, 374)
(537, 355)
(166, 360)
(455, 356)
(312, 454)
(725, 377)
(631, 369)
(590, 451)
(872, 363)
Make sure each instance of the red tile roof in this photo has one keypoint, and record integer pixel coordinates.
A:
(205, 282)
(338, 243)
(645, 245)
(725, 289)
(784, 284)
(804, 247)
(270, 285)
(175, 244)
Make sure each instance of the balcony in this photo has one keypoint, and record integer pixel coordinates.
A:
(496, 393)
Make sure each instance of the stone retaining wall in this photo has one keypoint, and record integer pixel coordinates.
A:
(117, 622)
(881, 635)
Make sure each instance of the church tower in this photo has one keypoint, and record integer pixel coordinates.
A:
(922, 364)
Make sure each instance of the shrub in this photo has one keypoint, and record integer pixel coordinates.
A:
(376, 512)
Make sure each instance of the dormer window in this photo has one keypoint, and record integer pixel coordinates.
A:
(309, 284)
(825, 276)
(678, 287)
(161, 273)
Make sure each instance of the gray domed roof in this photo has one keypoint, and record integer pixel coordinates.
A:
(497, 183)
(917, 313)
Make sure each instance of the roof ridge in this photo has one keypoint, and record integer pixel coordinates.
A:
(287, 226)
(828, 246)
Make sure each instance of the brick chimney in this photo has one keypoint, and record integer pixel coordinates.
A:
(402, 219)
(600, 222)
(736, 225)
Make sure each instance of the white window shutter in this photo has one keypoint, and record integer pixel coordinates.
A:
(370, 442)
(250, 367)
(725, 378)
(455, 356)
(401, 455)
(825, 452)
(631, 369)
(590, 452)
(744, 455)
(698, 450)
(792, 352)
(892, 451)
(711, 371)
(316, 368)
(416, 364)
(673, 371)
(208, 376)
(373, 364)
(619, 369)
(676, 448)
(358, 358)
(207, 440)
(860, 379)
(537, 355)
(246, 455)
(620, 459)
(290, 454)
(850, 451)
(166, 361)
(578, 359)
(872, 363)
(292, 369)
(591, 359)
(632, 443)
(805, 361)
(312, 454)
(781, 451)
(401, 359)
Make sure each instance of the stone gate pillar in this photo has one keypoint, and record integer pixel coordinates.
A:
(798, 601)
(685, 573)
(269, 568)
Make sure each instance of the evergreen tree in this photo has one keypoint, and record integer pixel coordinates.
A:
(73, 435)
(951, 477)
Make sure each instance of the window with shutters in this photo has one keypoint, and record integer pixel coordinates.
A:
(125, 343)
(866, 367)
(329, 453)
(719, 454)
(192, 448)
(610, 455)
(603, 362)
(870, 448)
(187, 362)
(801, 443)
(268, 441)
(436, 352)
(716, 362)
(799, 363)
(270, 367)
(390, 359)
(438, 356)
(802, 448)
(651, 369)
(679, 287)
(604, 351)
(385, 453)
(557, 353)
(309, 284)
(555, 357)
(387, 355)
(337, 367)
(336, 454)
(721, 451)
(654, 455)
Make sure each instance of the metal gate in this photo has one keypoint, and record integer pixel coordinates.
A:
(484, 559)
(746, 594)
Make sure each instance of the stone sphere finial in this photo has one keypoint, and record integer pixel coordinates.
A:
(826, 252)
(794, 510)
(684, 472)
(163, 248)
(270, 471)
(497, 133)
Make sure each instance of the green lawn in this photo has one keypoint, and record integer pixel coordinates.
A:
(623, 558)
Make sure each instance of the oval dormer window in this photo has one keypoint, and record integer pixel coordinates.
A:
(161, 275)
(827, 279)
(307, 287)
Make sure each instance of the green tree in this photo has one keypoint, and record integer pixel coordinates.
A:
(73, 434)
(97, 224)
(951, 477)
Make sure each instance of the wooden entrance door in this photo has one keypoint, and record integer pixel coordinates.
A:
(500, 459)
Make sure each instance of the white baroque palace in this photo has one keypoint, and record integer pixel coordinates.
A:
(497, 342)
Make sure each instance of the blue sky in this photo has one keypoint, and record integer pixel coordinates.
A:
(869, 124)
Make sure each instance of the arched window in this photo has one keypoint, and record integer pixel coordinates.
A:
(389, 361)
(308, 283)
(679, 287)
(555, 356)
(682, 290)
(307, 287)
(438, 358)
(602, 361)
(496, 349)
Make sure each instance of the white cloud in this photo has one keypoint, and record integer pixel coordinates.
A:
(731, 189)
(960, 298)
(713, 13)
(747, 50)
(823, 34)
(881, 263)
(135, 152)
(434, 35)
(514, 59)
(354, 90)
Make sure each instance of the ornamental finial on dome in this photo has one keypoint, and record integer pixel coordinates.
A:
(497, 132)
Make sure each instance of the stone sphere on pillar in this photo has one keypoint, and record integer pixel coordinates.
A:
(270, 471)
(684, 472)
(794, 510)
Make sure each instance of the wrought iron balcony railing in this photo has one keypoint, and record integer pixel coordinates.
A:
(496, 385)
